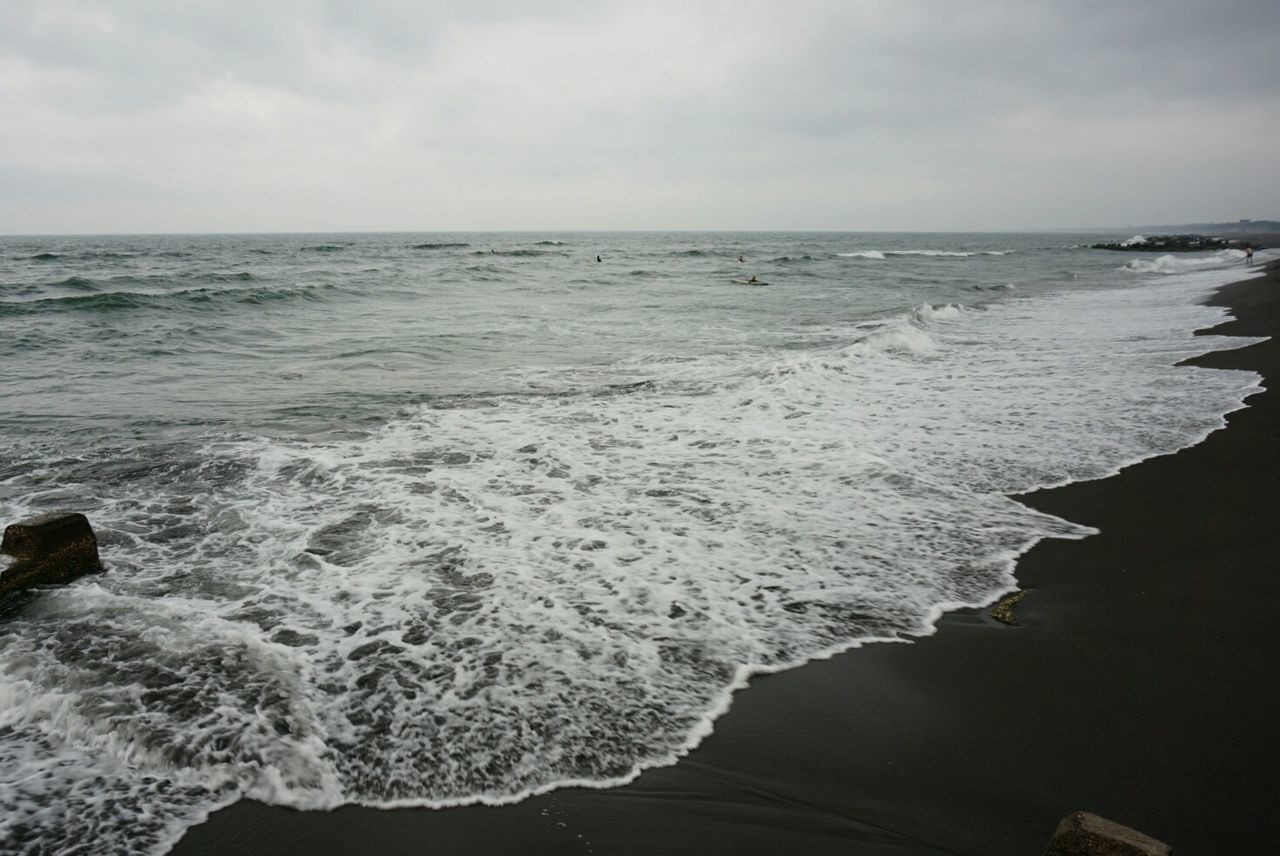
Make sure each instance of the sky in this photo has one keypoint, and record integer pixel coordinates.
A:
(300, 115)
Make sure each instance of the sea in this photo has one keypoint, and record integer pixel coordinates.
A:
(450, 518)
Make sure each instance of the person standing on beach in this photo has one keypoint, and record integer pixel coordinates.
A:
(1248, 254)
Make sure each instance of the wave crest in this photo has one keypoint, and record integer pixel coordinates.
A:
(1177, 264)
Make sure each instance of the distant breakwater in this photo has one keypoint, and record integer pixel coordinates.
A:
(1171, 244)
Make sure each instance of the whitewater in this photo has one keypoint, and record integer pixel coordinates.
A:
(442, 519)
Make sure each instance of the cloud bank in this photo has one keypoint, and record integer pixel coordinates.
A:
(148, 116)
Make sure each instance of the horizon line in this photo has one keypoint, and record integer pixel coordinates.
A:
(264, 232)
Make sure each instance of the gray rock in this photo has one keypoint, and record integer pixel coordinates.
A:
(1085, 834)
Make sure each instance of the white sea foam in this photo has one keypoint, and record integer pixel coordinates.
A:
(955, 253)
(902, 336)
(1184, 263)
(1134, 241)
(491, 596)
(884, 254)
(941, 312)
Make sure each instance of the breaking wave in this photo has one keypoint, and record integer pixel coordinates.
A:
(1179, 264)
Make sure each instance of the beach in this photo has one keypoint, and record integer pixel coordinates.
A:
(472, 540)
(1138, 684)
(433, 428)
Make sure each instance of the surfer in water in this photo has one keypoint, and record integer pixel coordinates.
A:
(753, 278)
(741, 259)
(599, 259)
(1248, 254)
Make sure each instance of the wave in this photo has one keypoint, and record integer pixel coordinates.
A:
(118, 301)
(92, 302)
(109, 254)
(260, 296)
(440, 245)
(79, 283)
(904, 336)
(325, 248)
(485, 273)
(1179, 264)
(959, 254)
(700, 253)
(703, 252)
(83, 283)
(516, 253)
(92, 255)
(927, 312)
(10, 288)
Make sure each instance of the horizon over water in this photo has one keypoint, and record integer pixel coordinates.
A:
(442, 518)
(1092, 233)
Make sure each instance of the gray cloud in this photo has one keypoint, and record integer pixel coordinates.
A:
(137, 116)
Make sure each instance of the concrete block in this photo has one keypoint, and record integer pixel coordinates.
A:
(1085, 834)
(49, 549)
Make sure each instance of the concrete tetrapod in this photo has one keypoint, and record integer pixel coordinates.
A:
(47, 550)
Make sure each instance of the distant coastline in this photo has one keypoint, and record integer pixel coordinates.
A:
(1236, 227)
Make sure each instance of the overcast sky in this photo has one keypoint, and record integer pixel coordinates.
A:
(288, 115)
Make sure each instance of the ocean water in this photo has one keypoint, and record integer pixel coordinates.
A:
(441, 519)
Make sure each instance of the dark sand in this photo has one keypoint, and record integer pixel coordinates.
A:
(1141, 685)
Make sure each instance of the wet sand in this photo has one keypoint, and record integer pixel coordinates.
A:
(1140, 684)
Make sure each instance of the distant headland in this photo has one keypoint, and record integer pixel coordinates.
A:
(1235, 227)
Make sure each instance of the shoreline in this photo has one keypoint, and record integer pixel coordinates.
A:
(1137, 686)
